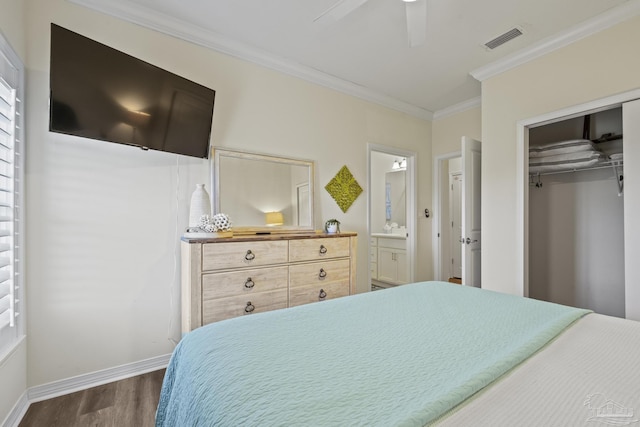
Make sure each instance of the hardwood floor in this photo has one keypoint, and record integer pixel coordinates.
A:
(129, 402)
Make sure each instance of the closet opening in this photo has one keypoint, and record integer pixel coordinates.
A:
(576, 212)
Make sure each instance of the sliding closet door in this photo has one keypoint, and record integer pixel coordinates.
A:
(631, 143)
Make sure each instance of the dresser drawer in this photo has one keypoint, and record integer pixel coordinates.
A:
(214, 310)
(316, 249)
(244, 282)
(217, 256)
(319, 273)
(299, 295)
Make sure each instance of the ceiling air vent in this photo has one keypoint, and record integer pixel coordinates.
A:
(503, 38)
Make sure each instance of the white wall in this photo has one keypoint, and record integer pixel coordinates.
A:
(105, 219)
(13, 366)
(567, 77)
(576, 241)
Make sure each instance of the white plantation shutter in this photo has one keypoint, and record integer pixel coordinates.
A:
(11, 131)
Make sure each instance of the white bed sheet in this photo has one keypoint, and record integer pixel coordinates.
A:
(586, 374)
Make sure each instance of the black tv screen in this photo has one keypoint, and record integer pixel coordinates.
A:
(101, 93)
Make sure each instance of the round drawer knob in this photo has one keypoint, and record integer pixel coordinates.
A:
(249, 308)
(322, 273)
(249, 283)
(322, 294)
(250, 255)
(323, 250)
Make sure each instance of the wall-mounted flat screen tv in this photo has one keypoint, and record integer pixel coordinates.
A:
(101, 93)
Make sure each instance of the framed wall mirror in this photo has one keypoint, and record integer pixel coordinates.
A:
(263, 193)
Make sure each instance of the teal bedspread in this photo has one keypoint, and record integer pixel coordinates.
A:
(397, 357)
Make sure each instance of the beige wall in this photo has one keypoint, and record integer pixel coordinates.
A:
(604, 64)
(13, 366)
(448, 131)
(103, 235)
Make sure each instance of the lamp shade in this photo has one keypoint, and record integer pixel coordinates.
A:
(274, 218)
(137, 119)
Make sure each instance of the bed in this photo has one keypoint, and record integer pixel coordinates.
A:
(414, 355)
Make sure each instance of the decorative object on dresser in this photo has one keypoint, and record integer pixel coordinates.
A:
(200, 205)
(218, 225)
(332, 226)
(344, 188)
(224, 278)
(201, 223)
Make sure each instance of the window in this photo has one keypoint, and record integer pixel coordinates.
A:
(11, 179)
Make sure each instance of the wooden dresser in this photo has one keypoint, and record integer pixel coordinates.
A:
(223, 278)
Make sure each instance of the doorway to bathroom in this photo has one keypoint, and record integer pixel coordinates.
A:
(391, 219)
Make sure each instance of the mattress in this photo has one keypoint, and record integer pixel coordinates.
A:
(588, 375)
(398, 357)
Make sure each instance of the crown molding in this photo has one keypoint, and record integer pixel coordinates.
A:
(458, 108)
(587, 28)
(171, 26)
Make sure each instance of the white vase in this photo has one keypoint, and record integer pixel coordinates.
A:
(200, 205)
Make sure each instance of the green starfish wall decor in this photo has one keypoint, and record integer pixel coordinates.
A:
(344, 188)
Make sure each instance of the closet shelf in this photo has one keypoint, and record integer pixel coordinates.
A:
(603, 165)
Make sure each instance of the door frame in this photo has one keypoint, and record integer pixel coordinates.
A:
(411, 201)
(436, 243)
(522, 170)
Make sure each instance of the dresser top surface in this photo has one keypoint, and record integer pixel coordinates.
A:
(274, 236)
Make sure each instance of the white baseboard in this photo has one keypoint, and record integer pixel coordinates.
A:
(18, 411)
(83, 382)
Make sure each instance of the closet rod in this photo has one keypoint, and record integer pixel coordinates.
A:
(606, 137)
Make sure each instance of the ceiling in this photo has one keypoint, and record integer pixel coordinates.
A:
(366, 53)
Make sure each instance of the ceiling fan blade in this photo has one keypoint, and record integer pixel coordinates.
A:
(416, 22)
(338, 11)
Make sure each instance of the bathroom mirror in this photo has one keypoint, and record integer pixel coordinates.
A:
(263, 193)
(395, 197)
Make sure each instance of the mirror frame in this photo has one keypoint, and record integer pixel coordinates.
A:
(217, 185)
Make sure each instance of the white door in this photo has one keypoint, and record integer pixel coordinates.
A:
(471, 160)
(631, 149)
